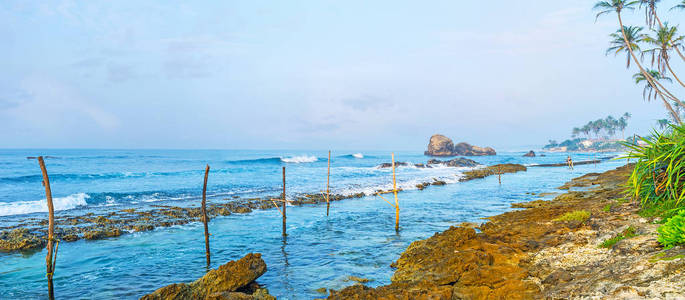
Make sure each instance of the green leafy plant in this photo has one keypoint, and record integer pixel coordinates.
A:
(607, 208)
(658, 179)
(672, 233)
(576, 215)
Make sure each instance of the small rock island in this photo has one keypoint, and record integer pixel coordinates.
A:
(440, 145)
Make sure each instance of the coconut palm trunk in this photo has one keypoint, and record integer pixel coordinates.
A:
(674, 75)
(649, 77)
(661, 25)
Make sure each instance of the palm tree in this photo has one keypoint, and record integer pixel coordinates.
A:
(622, 124)
(596, 127)
(586, 130)
(666, 40)
(649, 93)
(663, 123)
(618, 6)
(610, 124)
(680, 6)
(576, 131)
(619, 44)
(650, 11)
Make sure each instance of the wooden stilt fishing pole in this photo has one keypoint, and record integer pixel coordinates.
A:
(328, 184)
(283, 211)
(204, 215)
(50, 260)
(394, 191)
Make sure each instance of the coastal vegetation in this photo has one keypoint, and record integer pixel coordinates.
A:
(660, 41)
(673, 231)
(658, 179)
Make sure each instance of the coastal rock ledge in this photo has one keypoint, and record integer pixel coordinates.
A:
(233, 280)
(440, 145)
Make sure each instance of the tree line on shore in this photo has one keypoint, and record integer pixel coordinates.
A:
(608, 125)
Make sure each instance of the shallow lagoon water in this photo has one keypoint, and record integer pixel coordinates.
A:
(358, 238)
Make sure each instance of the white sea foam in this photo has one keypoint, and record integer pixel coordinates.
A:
(421, 175)
(26, 207)
(299, 159)
(358, 155)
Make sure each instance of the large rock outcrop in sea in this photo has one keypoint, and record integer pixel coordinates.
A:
(440, 145)
(233, 280)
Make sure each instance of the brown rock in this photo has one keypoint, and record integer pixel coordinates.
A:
(467, 149)
(221, 283)
(440, 145)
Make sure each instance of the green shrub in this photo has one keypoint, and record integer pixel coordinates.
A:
(607, 208)
(626, 234)
(673, 231)
(576, 215)
(658, 180)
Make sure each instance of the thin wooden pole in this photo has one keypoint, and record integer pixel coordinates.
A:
(394, 190)
(204, 215)
(51, 228)
(283, 212)
(328, 184)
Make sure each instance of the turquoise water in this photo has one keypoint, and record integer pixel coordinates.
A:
(358, 238)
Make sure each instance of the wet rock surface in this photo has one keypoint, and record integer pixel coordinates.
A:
(233, 280)
(530, 153)
(526, 254)
(493, 170)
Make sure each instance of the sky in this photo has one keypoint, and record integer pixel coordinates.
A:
(309, 74)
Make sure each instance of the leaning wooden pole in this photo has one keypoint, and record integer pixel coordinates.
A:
(328, 184)
(51, 228)
(283, 212)
(204, 215)
(394, 191)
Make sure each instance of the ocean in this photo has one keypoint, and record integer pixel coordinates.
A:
(358, 238)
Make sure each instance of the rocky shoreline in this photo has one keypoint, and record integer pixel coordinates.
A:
(588, 243)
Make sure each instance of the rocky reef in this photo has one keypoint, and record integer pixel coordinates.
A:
(440, 145)
(555, 249)
(530, 153)
(498, 169)
(457, 162)
(233, 280)
(30, 234)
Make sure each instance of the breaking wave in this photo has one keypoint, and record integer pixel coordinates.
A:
(27, 207)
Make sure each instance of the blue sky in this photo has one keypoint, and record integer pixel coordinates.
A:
(307, 74)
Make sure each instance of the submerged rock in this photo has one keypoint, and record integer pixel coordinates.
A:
(457, 162)
(232, 280)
